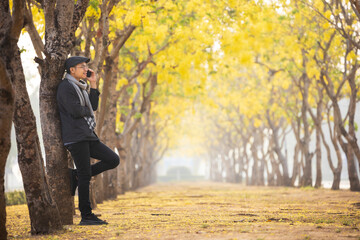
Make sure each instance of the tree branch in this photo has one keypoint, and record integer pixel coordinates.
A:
(124, 37)
(18, 19)
(33, 33)
(5, 20)
(79, 12)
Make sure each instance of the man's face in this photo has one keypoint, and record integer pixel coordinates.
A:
(79, 71)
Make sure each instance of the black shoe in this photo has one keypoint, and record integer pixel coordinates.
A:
(73, 181)
(91, 219)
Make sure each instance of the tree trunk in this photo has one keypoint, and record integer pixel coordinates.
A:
(349, 135)
(318, 159)
(43, 211)
(121, 169)
(296, 165)
(261, 181)
(130, 125)
(336, 171)
(255, 168)
(307, 177)
(130, 168)
(283, 161)
(6, 115)
(214, 168)
(336, 180)
(240, 162)
(107, 129)
(355, 153)
(7, 43)
(96, 189)
(56, 156)
(234, 161)
(318, 121)
(353, 176)
(270, 173)
(147, 156)
(62, 19)
(111, 176)
(44, 215)
(279, 177)
(347, 149)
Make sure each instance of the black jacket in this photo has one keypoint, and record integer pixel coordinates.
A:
(74, 127)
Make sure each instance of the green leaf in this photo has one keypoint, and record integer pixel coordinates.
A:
(130, 90)
(94, 4)
(137, 115)
(124, 110)
(22, 50)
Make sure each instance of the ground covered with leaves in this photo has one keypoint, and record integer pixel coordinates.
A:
(213, 211)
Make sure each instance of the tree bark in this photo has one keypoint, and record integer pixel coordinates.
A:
(353, 176)
(34, 35)
(6, 114)
(350, 147)
(349, 76)
(336, 171)
(7, 105)
(305, 143)
(56, 156)
(96, 189)
(296, 165)
(255, 169)
(44, 215)
(336, 181)
(352, 140)
(149, 151)
(131, 123)
(61, 21)
(283, 161)
(110, 177)
(319, 132)
(43, 211)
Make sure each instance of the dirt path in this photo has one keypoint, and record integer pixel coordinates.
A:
(214, 211)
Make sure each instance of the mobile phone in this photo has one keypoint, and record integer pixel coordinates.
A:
(88, 73)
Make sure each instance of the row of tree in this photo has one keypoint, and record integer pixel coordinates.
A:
(253, 71)
(129, 78)
(300, 82)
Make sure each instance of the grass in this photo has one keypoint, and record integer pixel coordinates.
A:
(213, 211)
(328, 221)
(15, 198)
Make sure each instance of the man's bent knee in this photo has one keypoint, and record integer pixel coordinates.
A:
(115, 161)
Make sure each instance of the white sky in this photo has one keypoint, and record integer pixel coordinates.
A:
(32, 75)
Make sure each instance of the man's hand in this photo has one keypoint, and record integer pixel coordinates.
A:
(92, 79)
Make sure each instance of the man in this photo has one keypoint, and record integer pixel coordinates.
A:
(76, 108)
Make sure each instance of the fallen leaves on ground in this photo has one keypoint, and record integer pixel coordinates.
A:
(210, 210)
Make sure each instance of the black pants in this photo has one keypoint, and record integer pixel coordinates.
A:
(81, 153)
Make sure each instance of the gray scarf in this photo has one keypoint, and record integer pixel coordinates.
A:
(81, 89)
